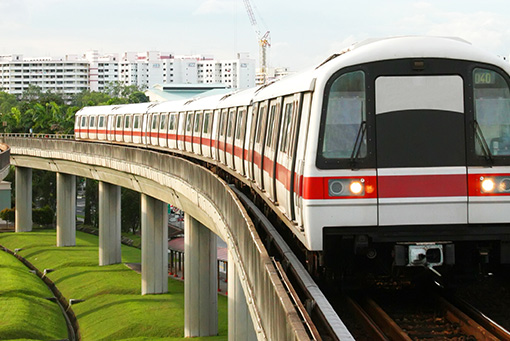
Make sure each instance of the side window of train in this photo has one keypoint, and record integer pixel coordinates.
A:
(240, 124)
(230, 126)
(154, 125)
(223, 122)
(119, 122)
(343, 117)
(172, 122)
(207, 119)
(83, 121)
(101, 122)
(92, 122)
(197, 127)
(127, 122)
(162, 122)
(492, 112)
(286, 127)
(189, 122)
(136, 122)
(260, 119)
(270, 126)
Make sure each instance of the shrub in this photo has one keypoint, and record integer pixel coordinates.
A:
(43, 216)
(7, 214)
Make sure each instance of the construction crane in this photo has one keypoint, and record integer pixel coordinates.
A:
(264, 41)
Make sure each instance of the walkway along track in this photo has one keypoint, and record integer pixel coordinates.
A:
(73, 330)
(320, 319)
(431, 317)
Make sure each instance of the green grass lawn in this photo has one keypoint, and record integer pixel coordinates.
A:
(24, 311)
(113, 307)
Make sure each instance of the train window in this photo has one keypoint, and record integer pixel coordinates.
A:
(197, 122)
(230, 123)
(162, 122)
(492, 111)
(136, 122)
(286, 126)
(154, 122)
(119, 122)
(127, 122)
(172, 121)
(101, 121)
(83, 121)
(345, 117)
(260, 119)
(240, 125)
(270, 126)
(92, 122)
(189, 120)
(207, 117)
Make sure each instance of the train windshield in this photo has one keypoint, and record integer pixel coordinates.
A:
(492, 112)
(345, 116)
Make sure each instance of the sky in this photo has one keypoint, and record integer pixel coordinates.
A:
(303, 33)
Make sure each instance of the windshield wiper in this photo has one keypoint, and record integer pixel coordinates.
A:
(483, 143)
(357, 144)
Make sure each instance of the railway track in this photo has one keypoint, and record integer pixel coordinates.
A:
(421, 316)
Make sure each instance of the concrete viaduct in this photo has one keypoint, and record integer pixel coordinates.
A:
(258, 306)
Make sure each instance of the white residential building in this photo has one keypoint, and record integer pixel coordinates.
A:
(73, 74)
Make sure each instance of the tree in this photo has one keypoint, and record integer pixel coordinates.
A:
(130, 210)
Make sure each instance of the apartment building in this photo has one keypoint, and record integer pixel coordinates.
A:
(73, 74)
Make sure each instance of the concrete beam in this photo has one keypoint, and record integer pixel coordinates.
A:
(109, 224)
(200, 280)
(23, 209)
(240, 325)
(154, 246)
(66, 210)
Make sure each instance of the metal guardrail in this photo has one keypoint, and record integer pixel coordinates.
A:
(272, 311)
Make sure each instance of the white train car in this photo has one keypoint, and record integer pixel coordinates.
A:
(394, 151)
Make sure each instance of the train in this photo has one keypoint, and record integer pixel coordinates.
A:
(393, 153)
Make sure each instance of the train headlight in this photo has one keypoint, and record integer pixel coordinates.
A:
(504, 185)
(346, 187)
(356, 187)
(488, 185)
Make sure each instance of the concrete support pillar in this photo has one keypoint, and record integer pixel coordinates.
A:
(66, 210)
(240, 325)
(23, 209)
(200, 280)
(109, 224)
(154, 246)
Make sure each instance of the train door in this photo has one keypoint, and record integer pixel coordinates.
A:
(270, 147)
(189, 132)
(420, 146)
(119, 120)
(172, 130)
(258, 149)
(181, 130)
(250, 140)
(154, 127)
(145, 128)
(229, 150)
(222, 136)
(215, 135)
(83, 127)
(300, 147)
(101, 128)
(197, 133)
(93, 127)
(206, 134)
(163, 130)
(110, 127)
(128, 129)
(137, 129)
(240, 132)
(285, 165)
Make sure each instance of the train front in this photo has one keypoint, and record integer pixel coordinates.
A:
(412, 166)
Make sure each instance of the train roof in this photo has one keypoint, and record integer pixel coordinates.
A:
(137, 108)
(96, 110)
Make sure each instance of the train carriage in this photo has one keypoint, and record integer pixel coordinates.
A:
(395, 151)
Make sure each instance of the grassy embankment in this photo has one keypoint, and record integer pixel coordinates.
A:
(23, 294)
(113, 307)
